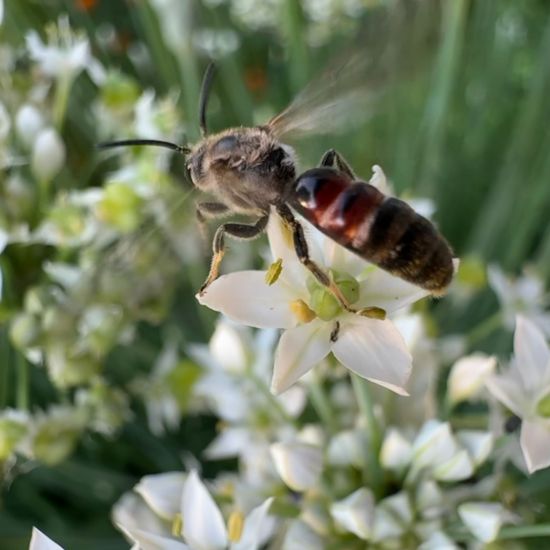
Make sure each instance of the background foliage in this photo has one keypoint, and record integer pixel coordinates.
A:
(469, 131)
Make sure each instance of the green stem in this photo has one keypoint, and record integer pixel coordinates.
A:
(22, 389)
(272, 400)
(373, 471)
(322, 405)
(61, 100)
(485, 328)
(524, 531)
(4, 369)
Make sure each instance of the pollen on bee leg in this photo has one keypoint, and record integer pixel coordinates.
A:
(302, 311)
(274, 272)
(235, 526)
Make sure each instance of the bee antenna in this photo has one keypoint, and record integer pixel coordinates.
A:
(155, 142)
(205, 92)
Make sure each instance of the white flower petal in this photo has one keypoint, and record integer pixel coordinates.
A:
(253, 534)
(293, 400)
(299, 350)
(228, 347)
(298, 464)
(229, 443)
(203, 525)
(457, 468)
(355, 513)
(535, 444)
(146, 540)
(131, 512)
(468, 376)
(348, 448)
(375, 350)
(433, 445)
(245, 297)
(381, 289)
(482, 519)
(478, 443)
(282, 248)
(48, 154)
(396, 451)
(508, 390)
(162, 493)
(39, 541)
(438, 541)
(300, 536)
(531, 351)
(380, 181)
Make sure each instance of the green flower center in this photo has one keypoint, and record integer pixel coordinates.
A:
(324, 303)
(543, 406)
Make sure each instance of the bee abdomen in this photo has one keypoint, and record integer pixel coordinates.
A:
(383, 230)
(408, 245)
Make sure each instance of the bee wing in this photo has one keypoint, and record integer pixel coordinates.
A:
(335, 101)
(393, 49)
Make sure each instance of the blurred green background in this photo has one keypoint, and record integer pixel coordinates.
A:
(467, 127)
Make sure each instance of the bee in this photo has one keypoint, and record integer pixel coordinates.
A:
(250, 171)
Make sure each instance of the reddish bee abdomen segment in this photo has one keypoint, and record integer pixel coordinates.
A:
(383, 230)
(339, 207)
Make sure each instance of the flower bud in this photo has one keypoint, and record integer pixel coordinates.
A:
(28, 123)
(25, 330)
(13, 427)
(355, 513)
(48, 155)
(298, 464)
(5, 123)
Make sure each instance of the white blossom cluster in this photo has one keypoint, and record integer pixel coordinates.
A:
(342, 429)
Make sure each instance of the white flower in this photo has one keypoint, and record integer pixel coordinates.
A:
(39, 541)
(468, 376)
(28, 122)
(355, 513)
(437, 451)
(298, 464)
(65, 55)
(525, 389)
(314, 321)
(197, 522)
(48, 154)
(483, 519)
(524, 295)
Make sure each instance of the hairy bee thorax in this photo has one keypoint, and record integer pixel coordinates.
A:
(246, 168)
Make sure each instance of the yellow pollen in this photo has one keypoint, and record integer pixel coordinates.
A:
(373, 313)
(177, 526)
(274, 272)
(302, 311)
(235, 526)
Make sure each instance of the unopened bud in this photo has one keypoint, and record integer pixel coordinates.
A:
(48, 155)
(28, 123)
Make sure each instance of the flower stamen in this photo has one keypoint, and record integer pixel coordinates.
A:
(177, 525)
(302, 311)
(373, 313)
(274, 272)
(235, 526)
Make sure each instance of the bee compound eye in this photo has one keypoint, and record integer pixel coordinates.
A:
(223, 148)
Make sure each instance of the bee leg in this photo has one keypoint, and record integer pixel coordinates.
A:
(302, 251)
(236, 230)
(334, 159)
(209, 210)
